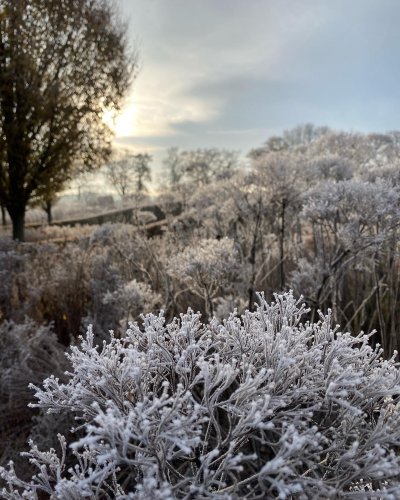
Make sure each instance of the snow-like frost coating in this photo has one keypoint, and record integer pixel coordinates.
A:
(259, 406)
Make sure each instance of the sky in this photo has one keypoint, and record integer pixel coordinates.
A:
(231, 73)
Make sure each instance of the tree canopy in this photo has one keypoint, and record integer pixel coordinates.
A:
(62, 64)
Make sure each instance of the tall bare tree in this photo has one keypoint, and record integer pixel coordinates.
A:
(62, 64)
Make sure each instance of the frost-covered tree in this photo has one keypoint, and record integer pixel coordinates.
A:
(330, 167)
(299, 137)
(261, 406)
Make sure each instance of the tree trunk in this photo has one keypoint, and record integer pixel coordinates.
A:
(47, 209)
(17, 216)
(3, 215)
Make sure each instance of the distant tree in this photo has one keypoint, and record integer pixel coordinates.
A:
(119, 175)
(62, 64)
(141, 171)
(129, 172)
(173, 166)
(202, 165)
(295, 138)
(47, 194)
(331, 167)
(362, 151)
(199, 166)
(303, 134)
(48, 201)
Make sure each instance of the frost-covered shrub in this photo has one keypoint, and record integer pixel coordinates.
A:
(132, 256)
(128, 249)
(46, 282)
(205, 266)
(258, 406)
(103, 275)
(57, 287)
(214, 218)
(132, 299)
(28, 353)
(225, 305)
(58, 233)
(352, 254)
(143, 217)
(7, 244)
(309, 278)
(359, 215)
(12, 264)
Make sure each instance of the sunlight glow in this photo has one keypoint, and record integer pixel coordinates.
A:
(123, 124)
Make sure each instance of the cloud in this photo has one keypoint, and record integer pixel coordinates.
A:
(229, 72)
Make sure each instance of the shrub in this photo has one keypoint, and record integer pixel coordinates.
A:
(258, 406)
(205, 267)
(28, 353)
(132, 299)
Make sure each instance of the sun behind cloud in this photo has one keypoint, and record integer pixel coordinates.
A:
(125, 123)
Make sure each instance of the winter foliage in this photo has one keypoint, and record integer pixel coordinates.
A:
(263, 405)
(28, 353)
(221, 392)
(206, 267)
(226, 328)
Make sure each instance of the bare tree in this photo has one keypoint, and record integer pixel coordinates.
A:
(199, 166)
(119, 175)
(141, 171)
(173, 166)
(129, 172)
(62, 64)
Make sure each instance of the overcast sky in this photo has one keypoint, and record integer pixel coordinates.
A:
(231, 73)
